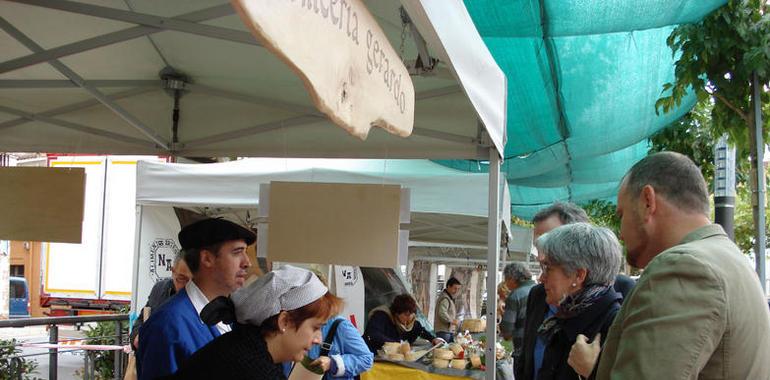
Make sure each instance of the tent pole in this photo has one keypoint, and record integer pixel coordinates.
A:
(135, 270)
(758, 186)
(493, 258)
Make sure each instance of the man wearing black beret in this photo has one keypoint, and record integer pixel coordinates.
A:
(215, 251)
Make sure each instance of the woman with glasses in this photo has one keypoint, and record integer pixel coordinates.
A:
(580, 265)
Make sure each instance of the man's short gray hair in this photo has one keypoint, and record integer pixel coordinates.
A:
(567, 212)
(517, 271)
(583, 246)
(177, 258)
(673, 176)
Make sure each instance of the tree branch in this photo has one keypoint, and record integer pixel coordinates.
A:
(732, 107)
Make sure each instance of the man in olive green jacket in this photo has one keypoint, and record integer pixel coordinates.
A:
(446, 321)
(698, 311)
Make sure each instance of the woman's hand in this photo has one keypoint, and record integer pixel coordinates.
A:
(322, 362)
(583, 356)
(436, 341)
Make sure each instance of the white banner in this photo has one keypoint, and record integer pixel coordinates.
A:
(349, 285)
(157, 246)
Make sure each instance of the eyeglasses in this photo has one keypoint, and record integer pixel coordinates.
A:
(546, 268)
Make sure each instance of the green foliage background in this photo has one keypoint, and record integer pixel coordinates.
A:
(104, 333)
(8, 348)
(716, 59)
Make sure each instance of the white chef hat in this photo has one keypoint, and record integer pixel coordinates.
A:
(287, 288)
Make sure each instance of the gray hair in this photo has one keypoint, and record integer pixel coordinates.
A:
(674, 176)
(583, 246)
(517, 271)
(567, 212)
(177, 258)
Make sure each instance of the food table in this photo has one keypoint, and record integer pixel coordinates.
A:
(460, 360)
(383, 370)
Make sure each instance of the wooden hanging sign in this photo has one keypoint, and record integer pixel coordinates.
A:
(344, 59)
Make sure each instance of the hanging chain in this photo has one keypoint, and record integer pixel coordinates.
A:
(405, 20)
(403, 39)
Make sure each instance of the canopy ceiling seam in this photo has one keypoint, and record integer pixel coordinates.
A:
(543, 149)
(437, 92)
(74, 126)
(109, 39)
(75, 106)
(301, 120)
(65, 83)
(460, 231)
(589, 195)
(164, 23)
(288, 106)
(315, 116)
(574, 35)
(253, 130)
(145, 19)
(432, 227)
(149, 38)
(551, 56)
(130, 119)
(305, 111)
(446, 136)
(672, 21)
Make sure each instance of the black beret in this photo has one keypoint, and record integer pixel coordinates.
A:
(211, 231)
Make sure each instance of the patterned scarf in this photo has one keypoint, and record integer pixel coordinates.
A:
(399, 326)
(572, 306)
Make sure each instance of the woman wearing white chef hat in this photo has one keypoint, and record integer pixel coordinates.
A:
(276, 319)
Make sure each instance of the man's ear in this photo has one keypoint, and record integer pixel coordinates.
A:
(649, 201)
(207, 258)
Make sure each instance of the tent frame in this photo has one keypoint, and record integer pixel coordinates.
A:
(146, 26)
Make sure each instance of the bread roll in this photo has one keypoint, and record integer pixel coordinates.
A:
(458, 363)
(440, 363)
(391, 347)
(443, 353)
(396, 357)
(404, 348)
(475, 361)
(456, 348)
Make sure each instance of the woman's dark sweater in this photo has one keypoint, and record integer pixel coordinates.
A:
(239, 354)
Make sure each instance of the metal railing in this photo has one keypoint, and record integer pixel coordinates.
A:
(53, 323)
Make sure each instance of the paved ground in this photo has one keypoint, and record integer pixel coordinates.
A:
(69, 362)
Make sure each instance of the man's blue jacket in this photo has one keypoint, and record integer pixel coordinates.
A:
(171, 335)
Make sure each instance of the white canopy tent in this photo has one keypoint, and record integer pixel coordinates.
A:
(101, 79)
(232, 189)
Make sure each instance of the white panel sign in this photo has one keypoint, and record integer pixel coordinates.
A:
(157, 246)
(349, 285)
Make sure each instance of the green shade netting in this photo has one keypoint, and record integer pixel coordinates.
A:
(583, 78)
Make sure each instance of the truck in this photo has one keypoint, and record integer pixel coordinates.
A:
(95, 276)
